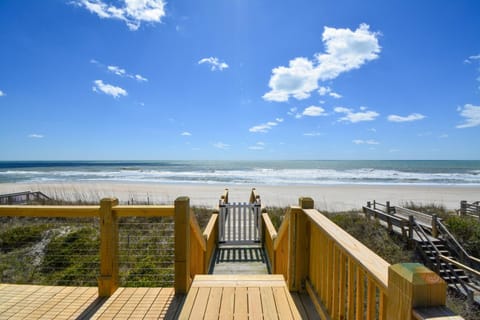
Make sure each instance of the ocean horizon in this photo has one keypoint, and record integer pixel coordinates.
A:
(245, 172)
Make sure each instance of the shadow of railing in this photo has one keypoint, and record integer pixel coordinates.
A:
(240, 255)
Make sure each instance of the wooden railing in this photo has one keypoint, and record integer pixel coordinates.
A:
(471, 209)
(108, 213)
(202, 245)
(345, 279)
(23, 197)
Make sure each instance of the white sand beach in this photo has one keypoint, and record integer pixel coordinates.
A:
(327, 197)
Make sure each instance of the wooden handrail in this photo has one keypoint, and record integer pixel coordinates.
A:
(144, 211)
(207, 233)
(460, 265)
(196, 231)
(283, 231)
(210, 234)
(271, 232)
(254, 196)
(50, 211)
(88, 211)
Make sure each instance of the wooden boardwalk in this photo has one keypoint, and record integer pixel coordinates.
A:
(56, 302)
(239, 297)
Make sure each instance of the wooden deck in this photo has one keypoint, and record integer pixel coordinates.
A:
(239, 297)
(55, 302)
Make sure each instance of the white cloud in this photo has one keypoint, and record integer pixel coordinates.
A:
(186, 134)
(371, 142)
(117, 70)
(409, 118)
(257, 146)
(2, 93)
(108, 89)
(294, 113)
(265, 127)
(36, 136)
(354, 117)
(323, 91)
(471, 114)
(313, 134)
(123, 73)
(214, 63)
(221, 145)
(133, 12)
(140, 78)
(297, 80)
(471, 58)
(443, 136)
(345, 50)
(314, 111)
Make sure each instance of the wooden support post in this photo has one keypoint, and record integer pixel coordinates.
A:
(412, 285)
(463, 207)
(388, 207)
(411, 221)
(182, 245)
(434, 226)
(108, 280)
(299, 246)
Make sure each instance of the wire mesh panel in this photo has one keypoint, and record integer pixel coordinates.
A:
(49, 251)
(147, 252)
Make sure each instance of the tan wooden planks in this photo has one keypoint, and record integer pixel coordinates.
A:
(239, 297)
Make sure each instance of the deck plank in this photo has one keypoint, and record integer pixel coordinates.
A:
(59, 302)
(228, 303)
(213, 305)
(254, 304)
(241, 303)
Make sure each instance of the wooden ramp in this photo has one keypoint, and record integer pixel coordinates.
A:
(239, 297)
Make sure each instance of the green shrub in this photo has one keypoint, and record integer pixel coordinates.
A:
(20, 237)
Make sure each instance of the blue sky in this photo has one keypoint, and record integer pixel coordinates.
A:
(239, 79)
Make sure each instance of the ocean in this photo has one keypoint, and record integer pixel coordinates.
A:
(367, 172)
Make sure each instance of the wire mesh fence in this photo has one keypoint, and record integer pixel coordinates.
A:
(65, 251)
(49, 251)
(146, 252)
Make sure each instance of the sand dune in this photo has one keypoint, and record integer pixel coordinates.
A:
(328, 197)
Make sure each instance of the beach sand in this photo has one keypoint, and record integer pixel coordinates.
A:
(327, 197)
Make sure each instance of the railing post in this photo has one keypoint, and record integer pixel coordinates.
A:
(463, 207)
(108, 280)
(387, 206)
(182, 245)
(412, 285)
(299, 245)
(434, 226)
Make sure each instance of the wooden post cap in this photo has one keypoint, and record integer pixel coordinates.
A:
(412, 285)
(305, 202)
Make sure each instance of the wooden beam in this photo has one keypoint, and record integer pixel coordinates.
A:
(182, 245)
(108, 280)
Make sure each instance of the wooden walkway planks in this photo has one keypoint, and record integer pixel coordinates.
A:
(239, 297)
(46, 302)
(55, 302)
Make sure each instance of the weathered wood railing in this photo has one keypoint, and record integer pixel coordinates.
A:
(23, 197)
(109, 213)
(471, 209)
(345, 279)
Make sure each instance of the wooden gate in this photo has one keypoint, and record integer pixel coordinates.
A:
(240, 223)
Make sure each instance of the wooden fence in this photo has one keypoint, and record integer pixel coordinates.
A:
(470, 209)
(23, 197)
(193, 249)
(345, 279)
